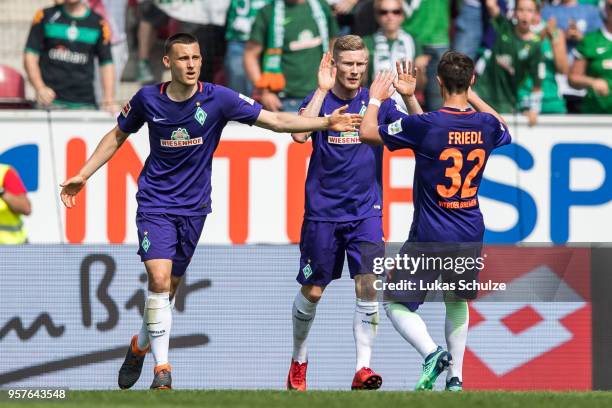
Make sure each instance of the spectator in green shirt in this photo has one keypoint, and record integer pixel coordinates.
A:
(240, 17)
(554, 52)
(592, 68)
(428, 22)
(515, 57)
(390, 43)
(282, 55)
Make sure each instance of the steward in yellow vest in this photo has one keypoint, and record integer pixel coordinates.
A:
(12, 206)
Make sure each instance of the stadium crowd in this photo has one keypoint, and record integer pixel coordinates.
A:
(531, 57)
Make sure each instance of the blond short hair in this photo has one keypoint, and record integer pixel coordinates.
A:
(348, 43)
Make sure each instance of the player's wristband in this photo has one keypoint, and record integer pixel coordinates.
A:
(375, 102)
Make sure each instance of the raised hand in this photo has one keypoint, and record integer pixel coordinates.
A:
(327, 73)
(339, 121)
(381, 88)
(551, 27)
(70, 188)
(406, 80)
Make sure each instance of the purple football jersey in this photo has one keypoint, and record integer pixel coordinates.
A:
(451, 147)
(183, 136)
(344, 181)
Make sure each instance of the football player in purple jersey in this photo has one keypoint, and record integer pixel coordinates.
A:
(343, 209)
(451, 146)
(185, 118)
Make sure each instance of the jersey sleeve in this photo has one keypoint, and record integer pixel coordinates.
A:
(36, 38)
(305, 102)
(13, 183)
(405, 132)
(390, 111)
(501, 134)
(238, 107)
(580, 51)
(132, 115)
(103, 47)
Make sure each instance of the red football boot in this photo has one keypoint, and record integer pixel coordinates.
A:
(366, 379)
(296, 380)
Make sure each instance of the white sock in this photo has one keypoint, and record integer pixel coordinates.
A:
(158, 314)
(303, 315)
(365, 328)
(411, 327)
(456, 330)
(143, 335)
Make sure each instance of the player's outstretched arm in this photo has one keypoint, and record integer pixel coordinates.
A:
(284, 122)
(379, 91)
(482, 106)
(107, 147)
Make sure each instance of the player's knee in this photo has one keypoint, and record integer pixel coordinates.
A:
(159, 283)
(312, 293)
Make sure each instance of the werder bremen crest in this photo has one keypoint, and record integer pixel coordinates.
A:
(200, 116)
(362, 111)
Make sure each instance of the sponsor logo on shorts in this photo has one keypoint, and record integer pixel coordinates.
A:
(344, 138)
(307, 271)
(146, 244)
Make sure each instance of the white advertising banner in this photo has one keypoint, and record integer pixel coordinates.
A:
(68, 312)
(554, 183)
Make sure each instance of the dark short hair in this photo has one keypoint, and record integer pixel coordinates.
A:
(455, 70)
(178, 38)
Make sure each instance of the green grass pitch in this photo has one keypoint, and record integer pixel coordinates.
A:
(320, 399)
